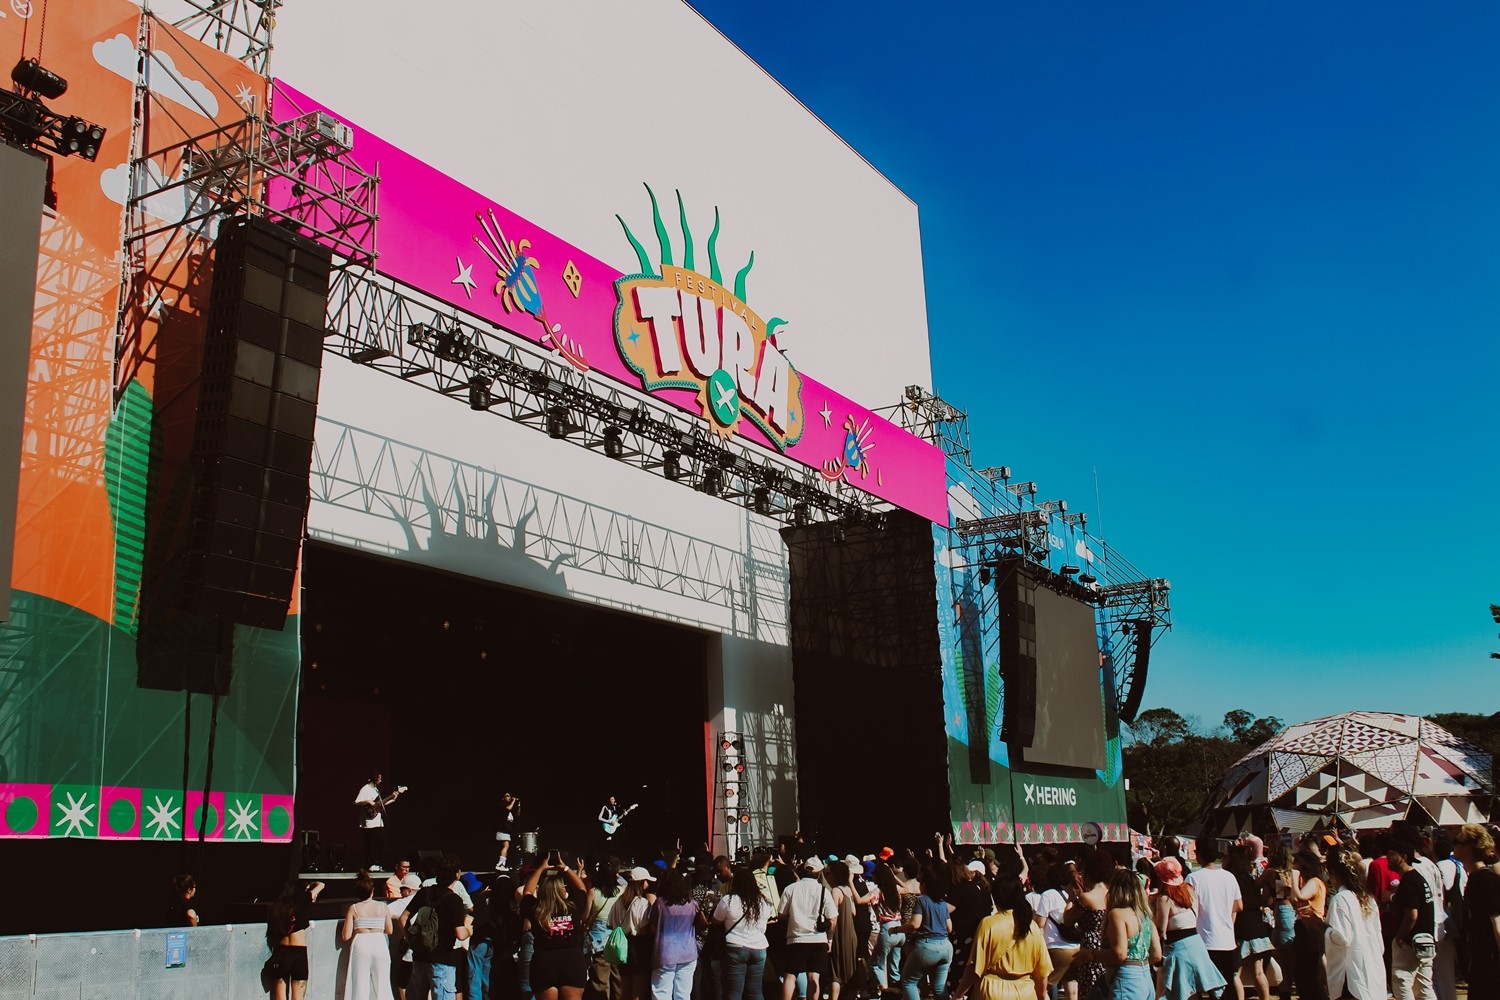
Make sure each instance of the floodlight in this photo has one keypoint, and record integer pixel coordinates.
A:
(614, 447)
(32, 75)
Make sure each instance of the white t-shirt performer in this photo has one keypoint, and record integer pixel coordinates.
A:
(372, 820)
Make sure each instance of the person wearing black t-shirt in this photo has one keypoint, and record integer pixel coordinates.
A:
(1474, 848)
(1413, 946)
(437, 970)
(555, 907)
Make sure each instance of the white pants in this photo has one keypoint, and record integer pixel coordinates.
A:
(369, 968)
(673, 982)
(1443, 969)
(1411, 977)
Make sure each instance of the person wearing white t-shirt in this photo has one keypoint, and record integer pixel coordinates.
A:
(1051, 913)
(1218, 900)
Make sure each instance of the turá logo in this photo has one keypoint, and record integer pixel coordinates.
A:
(680, 329)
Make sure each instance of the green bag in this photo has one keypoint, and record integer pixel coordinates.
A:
(617, 947)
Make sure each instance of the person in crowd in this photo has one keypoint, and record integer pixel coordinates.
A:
(1131, 942)
(481, 941)
(843, 945)
(1276, 884)
(1008, 961)
(1186, 969)
(400, 952)
(1413, 945)
(708, 975)
(886, 964)
(1352, 942)
(554, 907)
(1252, 931)
(605, 890)
(1427, 866)
(1219, 902)
(1474, 847)
(1451, 877)
(677, 918)
(744, 912)
(865, 893)
(632, 912)
(285, 974)
(808, 910)
(929, 950)
(1310, 899)
(367, 929)
(970, 902)
(1061, 938)
(1255, 850)
(1382, 880)
(393, 884)
(1088, 914)
(435, 970)
(182, 912)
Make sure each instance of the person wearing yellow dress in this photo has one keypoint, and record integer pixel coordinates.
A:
(1009, 960)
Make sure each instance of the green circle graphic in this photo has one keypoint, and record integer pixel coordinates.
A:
(278, 821)
(723, 397)
(207, 809)
(21, 814)
(121, 816)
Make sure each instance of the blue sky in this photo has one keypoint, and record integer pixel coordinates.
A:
(1242, 259)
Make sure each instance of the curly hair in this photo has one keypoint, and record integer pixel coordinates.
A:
(1346, 867)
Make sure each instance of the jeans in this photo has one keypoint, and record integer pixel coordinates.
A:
(479, 970)
(523, 964)
(673, 982)
(744, 972)
(1411, 972)
(929, 954)
(887, 961)
(441, 979)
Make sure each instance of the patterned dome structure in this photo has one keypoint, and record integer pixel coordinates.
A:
(1362, 770)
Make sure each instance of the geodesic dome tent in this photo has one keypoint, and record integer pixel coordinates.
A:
(1362, 770)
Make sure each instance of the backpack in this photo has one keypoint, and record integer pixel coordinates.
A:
(423, 928)
(617, 947)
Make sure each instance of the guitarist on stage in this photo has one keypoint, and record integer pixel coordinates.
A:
(611, 816)
(372, 818)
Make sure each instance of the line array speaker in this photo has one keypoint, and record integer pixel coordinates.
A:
(1016, 593)
(253, 437)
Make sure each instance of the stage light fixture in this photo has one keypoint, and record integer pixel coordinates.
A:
(29, 74)
(557, 422)
(744, 818)
(479, 393)
(614, 445)
(713, 481)
(728, 744)
(671, 465)
(762, 501)
(80, 138)
(984, 576)
(840, 533)
(801, 514)
(1069, 570)
(1088, 578)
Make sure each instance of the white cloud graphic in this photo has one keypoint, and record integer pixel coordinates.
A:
(118, 55)
(1084, 552)
(166, 206)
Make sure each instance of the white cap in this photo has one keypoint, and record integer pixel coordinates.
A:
(639, 874)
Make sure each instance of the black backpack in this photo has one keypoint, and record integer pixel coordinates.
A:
(423, 928)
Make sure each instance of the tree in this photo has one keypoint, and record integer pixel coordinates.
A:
(1156, 727)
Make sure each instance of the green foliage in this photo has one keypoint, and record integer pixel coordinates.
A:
(1173, 767)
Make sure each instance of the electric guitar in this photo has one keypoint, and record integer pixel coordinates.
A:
(369, 810)
(611, 825)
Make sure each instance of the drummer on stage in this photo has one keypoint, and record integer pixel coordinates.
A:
(505, 828)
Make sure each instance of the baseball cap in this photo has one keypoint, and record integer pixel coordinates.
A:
(813, 864)
(976, 866)
(639, 874)
(471, 882)
(886, 854)
(411, 880)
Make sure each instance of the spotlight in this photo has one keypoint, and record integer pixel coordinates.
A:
(1088, 578)
(730, 792)
(32, 75)
(713, 481)
(557, 422)
(728, 744)
(614, 446)
(80, 138)
(840, 533)
(801, 515)
(763, 501)
(479, 393)
(744, 817)
(984, 576)
(737, 766)
(1069, 570)
(671, 465)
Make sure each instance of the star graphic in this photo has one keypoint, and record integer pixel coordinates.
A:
(826, 414)
(244, 97)
(465, 277)
(75, 815)
(163, 817)
(241, 821)
(633, 337)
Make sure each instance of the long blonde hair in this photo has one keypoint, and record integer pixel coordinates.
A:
(551, 900)
(1128, 892)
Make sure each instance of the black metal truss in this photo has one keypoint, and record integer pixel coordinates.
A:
(389, 327)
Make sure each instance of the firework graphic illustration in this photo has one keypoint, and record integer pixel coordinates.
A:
(856, 454)
(517, 286)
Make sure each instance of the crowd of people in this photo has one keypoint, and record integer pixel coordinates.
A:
(1329, 917)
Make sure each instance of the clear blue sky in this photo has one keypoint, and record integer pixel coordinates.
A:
(1244, 260)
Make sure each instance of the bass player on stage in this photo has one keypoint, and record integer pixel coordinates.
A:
(372, 818)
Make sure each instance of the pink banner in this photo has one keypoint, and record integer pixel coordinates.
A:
(453, 243)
